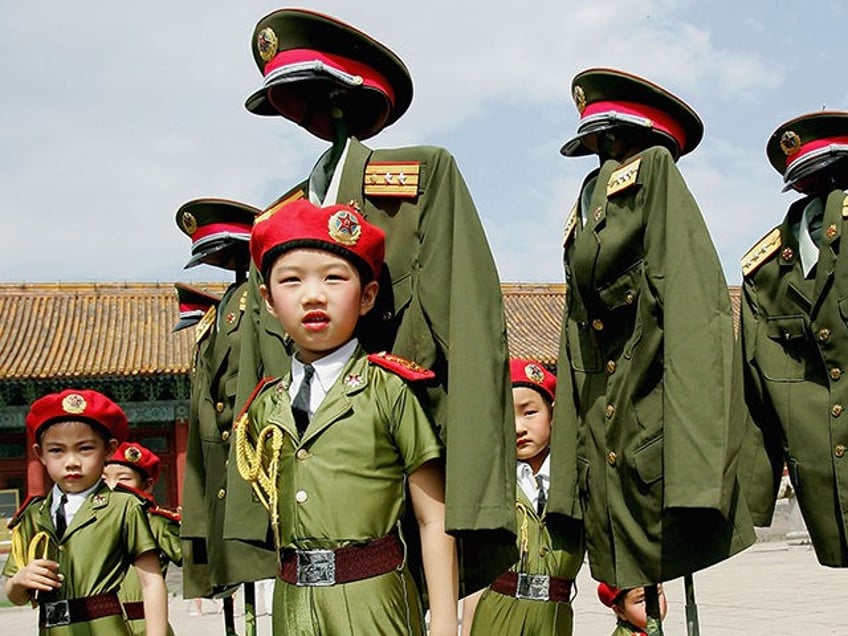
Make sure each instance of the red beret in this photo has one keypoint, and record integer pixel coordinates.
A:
(533, 375)
(338, 228)
(77, 405)
(609, 594)
(138, 457)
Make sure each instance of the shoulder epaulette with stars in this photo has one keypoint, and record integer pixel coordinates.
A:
(205, 324)
(570, 224)
(256, 391)
(243, 301)
(407, 369)
(19, 513)
(624, 177)
(170, 515)
(845, 207)
(392, 179)
(761, 252)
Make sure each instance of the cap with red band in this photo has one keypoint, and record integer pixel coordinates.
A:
(807, 142)
(606, 98)
(213, 225)
(307, 57)
(193, 304)
(77, 405)
(337, 228)
(533, 375)
(137, 457)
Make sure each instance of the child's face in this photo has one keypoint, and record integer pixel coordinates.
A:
(74, 454)
(631, 607)
(318, 299)
(114, 474)
(532, 426)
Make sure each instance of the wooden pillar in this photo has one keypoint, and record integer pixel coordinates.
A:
(181, 443)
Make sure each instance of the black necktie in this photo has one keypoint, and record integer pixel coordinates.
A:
(300, 404)
(542, 499)
(61, 521)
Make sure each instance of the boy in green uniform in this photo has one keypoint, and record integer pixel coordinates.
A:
(72, 548)
(534, 597)
(334, 447)
(137, 468)
(629, 608)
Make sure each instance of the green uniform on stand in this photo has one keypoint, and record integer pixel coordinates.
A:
(107, 534)
(343, 483)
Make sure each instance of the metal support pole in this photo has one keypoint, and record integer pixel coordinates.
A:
(229, 616)
(692, 626)
(652, 609)
(249, 609)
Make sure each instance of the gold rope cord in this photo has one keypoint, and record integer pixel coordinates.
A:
(22, 555)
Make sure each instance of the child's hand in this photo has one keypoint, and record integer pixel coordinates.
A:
(40, 574)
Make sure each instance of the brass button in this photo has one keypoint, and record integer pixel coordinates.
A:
(226, 463)
(598, 324)
(543, 551)
(835, 373)
(610, 411)
(612, 458)
(839, 450)
(824, 334)
(61, 548)
(836, 410)
(302, 453)
(219, 406)
(611, 366)
(300, 496)
(225, 435)
(629, 298)
(222, 493)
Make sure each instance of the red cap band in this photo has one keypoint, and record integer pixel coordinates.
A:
(660, 120)
(370, 77)
(205, 231)
(814, 145)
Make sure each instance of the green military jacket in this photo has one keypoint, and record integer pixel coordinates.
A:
(649, 417)
(795, 339)
(211, 563)
(344, 482)
(545, 547)
(106, 535)
(440, 305)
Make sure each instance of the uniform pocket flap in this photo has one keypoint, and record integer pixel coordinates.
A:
(648, 460)
(786, 328)
(624, 290)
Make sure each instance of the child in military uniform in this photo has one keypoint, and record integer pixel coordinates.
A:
(72, 548)
(334, 447)
(135, 467)
(534, 597)
(629, 608)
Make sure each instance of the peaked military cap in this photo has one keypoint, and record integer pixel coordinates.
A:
(307, 58)
(219, 230)
(193, 304)
(606, 98)
(141, 459)
(77, 405)
(805, 144)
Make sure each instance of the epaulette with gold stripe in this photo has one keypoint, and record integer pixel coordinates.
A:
(279, 205)
(205, 324)
(845, 208)
(392, 179)
(243, 301)
(623, 178)
(406, 369)
(170, 515)
(570, 224)
(761, 252)
(19, 513)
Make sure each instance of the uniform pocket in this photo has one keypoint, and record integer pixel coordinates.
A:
(648, 460)
(782, 345)
(623, 290)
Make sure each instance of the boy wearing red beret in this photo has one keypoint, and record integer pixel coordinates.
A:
(337, 445)
(72, 548)
(629, 608)
(135, 467)
(534, 596)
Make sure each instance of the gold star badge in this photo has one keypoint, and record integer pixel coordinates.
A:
(132, 455)
(344, 228)
(267, 44)
(189, 223)
(534, 373)
(74, 404)
(790, 143)
(579, 99)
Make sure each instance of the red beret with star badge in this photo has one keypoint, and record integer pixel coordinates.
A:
(807, 143)
(137, 457)
(307, 57)
(73, 405)
(532, 375)
(609, 595)
(337, 228)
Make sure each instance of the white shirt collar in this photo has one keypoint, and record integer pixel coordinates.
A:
(806, 246)
(75, 501)
(327, 371)
(317, 177)
(527, 480)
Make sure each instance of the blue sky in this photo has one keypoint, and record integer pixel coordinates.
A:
(113, 114)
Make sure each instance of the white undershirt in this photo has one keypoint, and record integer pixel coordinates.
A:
(327, 371)
(75, 502)
(317, 176)
(527, 480)
(808, 249)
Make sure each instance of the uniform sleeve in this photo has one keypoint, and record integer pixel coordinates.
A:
(167, 534)
(413, 431)
(702, 408)
(194, 478)
(137, 532)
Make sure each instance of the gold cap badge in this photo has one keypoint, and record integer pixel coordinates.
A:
(74, 404)
(189, 223)
(790, 143)
(534, 373)
(267, 44)
(344, 228)
(579, 99)
(132, 454)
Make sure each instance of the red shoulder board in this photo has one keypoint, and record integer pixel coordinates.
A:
(406, 369)
(145, 497)
(164, 512)
(16, 518)
(391, 179)
(256, 391)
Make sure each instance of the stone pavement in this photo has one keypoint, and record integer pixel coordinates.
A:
(771, 589)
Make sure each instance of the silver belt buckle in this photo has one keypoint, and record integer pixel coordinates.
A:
(316, 568)
(534, 587)
(56, 614)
